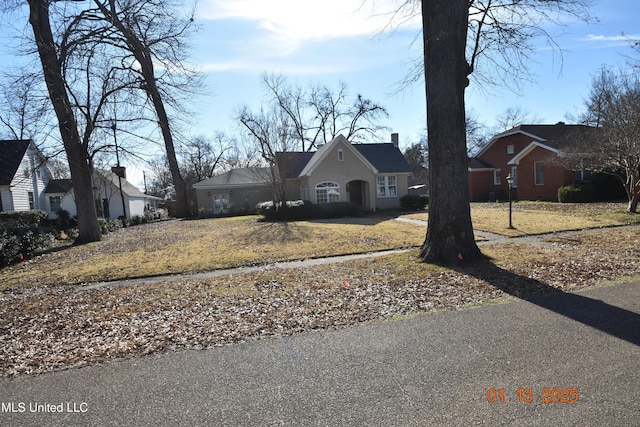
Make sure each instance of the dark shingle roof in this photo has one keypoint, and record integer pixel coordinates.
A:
(292, 163)
(553, 134)
(387, 158)
(59, 186)
(11, 155)
(476, 163)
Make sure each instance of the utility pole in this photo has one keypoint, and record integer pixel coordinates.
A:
(119, 169)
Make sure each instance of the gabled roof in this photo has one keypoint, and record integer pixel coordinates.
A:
(59, 186)
(240, 177)
(11, 155)
(324, 151)
(127, 188)
(479, 164)
(380, 158)
(550, 136)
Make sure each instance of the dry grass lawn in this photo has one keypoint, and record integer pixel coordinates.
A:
(175, 247)
(531, 218)
(202, 245)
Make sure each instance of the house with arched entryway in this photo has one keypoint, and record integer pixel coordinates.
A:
(373, 176)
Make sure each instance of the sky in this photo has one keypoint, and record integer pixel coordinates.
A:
(357, 42)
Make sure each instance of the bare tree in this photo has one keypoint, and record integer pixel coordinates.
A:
(613, 108)
(460, 37)
(512, 117)
(23, 111)
(271, 132)
(319, 114)
(155, 32)
(293, 119)
(52, 58)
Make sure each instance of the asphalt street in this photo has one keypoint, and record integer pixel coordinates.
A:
(569, 359)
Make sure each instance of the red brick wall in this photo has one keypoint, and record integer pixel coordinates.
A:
(555, 176)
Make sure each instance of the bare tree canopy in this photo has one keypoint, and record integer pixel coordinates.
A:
(310, 117)
(154, 32)
(613, 108)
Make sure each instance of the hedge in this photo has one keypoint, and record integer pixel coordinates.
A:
(576, 193)
(18, 243)
(298, 210)
(414, 202)
(31, 218)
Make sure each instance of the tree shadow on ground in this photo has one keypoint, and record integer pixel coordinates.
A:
(612, 320)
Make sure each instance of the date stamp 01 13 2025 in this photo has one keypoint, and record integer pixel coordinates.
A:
(527, 395)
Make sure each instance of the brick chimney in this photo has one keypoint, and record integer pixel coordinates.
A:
(394, 139)
(121, 171)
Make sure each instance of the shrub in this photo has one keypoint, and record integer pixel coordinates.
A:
(30, 218)
(21, 242)
(575, 193)
(336, 210)
(109, 226)
(64, 218)
(414, 202)
(298, 210)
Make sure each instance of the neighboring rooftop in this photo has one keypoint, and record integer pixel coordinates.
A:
(11, 155)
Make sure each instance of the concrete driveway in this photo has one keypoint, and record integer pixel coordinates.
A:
(437, 369)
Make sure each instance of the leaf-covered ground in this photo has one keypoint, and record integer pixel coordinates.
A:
(51, 327)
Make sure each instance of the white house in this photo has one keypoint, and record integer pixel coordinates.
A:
(24, 176)
(111, 203)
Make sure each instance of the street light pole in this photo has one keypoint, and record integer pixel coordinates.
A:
(510, 181)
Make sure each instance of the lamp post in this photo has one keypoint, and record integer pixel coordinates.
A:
(510, 181)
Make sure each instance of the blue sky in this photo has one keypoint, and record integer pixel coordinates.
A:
(338, 40)
(343, 40)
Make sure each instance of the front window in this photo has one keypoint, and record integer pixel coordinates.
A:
(220, 204)
(327, 192)
(31, 200)
(539, 173)
(514, 175)
(55, 202)
(497, 177)
(387, 186)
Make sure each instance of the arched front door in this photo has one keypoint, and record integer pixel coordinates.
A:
(357, 192)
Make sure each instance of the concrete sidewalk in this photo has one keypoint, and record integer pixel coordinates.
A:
(434, 369)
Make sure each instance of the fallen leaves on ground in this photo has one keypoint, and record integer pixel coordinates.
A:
(49, 328)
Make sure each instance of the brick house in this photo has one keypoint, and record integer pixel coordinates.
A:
(530, 154)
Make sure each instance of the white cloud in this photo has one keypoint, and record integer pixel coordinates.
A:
(290, 23)
(616, 38)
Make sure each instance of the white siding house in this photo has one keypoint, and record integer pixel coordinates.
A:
(109, 200)
(24, 176)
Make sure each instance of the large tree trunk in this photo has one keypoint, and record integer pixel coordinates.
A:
(79, 162)
(449, 237)
(142, 54)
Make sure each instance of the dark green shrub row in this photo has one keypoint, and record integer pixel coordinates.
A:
(414, 202)
(31, 218)
(576, 193)
(18, 243)
(109, 226)
(298, 210)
